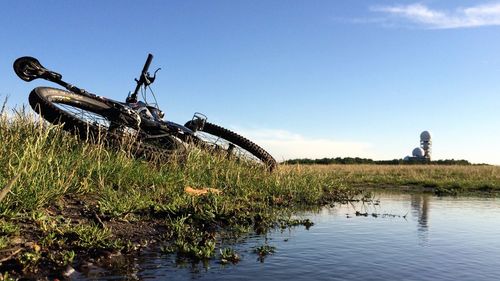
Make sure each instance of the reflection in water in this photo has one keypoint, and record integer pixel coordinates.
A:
(420, 210)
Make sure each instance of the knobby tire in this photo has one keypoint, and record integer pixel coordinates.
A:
(238, 140)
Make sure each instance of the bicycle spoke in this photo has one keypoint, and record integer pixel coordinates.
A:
(85, 115)
(220, 144)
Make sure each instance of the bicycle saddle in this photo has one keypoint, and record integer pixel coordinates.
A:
(29, 68)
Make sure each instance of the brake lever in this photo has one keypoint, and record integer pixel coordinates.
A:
(151, 79)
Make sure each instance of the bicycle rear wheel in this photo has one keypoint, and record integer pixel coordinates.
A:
(219, 139)
(89, 118)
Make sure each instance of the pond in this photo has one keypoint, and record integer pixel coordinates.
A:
(396, 237)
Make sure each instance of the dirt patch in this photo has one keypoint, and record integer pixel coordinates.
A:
(46, 241)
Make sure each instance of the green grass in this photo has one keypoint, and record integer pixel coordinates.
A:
(443, 180)
(72, 195)
(73, 198)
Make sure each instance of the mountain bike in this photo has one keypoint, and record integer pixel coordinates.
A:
(90, 116)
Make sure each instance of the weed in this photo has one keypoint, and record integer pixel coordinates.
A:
(189, 240)
(61, 258)
(4, 242)
(296, 222)
(264, 250)
(8, 228)
(229, 255)
(92, 236)
(168, 249)
(30, 258)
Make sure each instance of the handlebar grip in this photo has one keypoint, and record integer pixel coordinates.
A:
(148, 62)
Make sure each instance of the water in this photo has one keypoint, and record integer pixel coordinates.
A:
(411, 237)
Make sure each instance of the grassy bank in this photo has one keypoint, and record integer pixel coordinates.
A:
(68, 200)
(65, 201)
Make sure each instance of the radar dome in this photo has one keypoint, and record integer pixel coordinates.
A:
(425, 136)
(418, 152)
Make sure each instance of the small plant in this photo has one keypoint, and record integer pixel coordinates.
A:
(50, 239)
(189, 240)
(30, 258)
(7, 228)
(62, 258)
(264, 250)
(168, 249)
(228, 255)
(4, 242)
(203, 250)
(92, 236)
(296, 222)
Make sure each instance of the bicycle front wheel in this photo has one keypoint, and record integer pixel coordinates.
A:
(89, 118)
(219, 139)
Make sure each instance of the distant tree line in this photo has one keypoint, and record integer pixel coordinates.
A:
(357, 160)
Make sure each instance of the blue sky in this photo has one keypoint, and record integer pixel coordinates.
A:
(301, 78)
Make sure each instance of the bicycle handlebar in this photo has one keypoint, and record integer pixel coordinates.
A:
(142, 79)
(146, 65)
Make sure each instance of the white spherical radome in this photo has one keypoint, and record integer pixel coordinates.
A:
(425, 136)
(418, 152)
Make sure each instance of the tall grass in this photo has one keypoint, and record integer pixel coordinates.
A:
(53, 164)
(446, 179)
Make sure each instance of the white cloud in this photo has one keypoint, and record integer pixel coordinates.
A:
(287, 145)
(475, 16)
